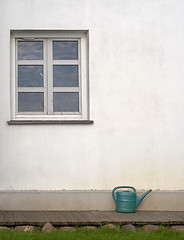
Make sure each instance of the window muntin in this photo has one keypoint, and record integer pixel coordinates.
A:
(48, 78)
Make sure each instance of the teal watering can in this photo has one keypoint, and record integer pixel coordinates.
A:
(127, 201)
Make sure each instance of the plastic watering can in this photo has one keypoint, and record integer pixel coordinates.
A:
(127, 201)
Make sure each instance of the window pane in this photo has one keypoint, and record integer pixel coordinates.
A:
(31, 102)
(65, 76)
(65, 50)
(66, 102)
(28, 50)
(30, 76)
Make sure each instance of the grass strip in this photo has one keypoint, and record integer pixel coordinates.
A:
(98, 234)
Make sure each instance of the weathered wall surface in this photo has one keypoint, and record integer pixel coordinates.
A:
(136, 56)
(86, 200)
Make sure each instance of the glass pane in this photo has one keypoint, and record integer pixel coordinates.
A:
(31, 102)
(30, 76)
(65, 50)
(30, 50)
(66, 102)
(65, 76)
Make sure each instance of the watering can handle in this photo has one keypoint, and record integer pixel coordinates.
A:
(120, 187)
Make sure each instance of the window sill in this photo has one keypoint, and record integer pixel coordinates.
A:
(36, 122)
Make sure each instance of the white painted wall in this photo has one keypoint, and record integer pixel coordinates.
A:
(136, 74)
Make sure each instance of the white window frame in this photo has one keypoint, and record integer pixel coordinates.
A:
(47, 37)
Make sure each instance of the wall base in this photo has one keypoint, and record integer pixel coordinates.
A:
(86, 200)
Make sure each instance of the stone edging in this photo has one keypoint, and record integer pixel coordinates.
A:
(48, 227)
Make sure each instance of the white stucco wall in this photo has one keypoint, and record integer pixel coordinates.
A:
(136, 76)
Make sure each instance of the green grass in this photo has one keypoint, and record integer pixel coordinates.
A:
(99, 234)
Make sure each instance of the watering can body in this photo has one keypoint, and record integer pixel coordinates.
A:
(127, 201)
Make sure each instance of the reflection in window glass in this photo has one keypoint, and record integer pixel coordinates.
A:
(30, 76)
(65, 76)
(65, 50)
(30, 50)
(66, 102)
(30, 102)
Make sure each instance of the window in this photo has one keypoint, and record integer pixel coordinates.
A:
(49, 75)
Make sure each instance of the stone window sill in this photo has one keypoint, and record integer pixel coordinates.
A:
(36, 122)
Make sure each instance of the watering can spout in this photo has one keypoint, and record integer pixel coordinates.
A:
(139, 199)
